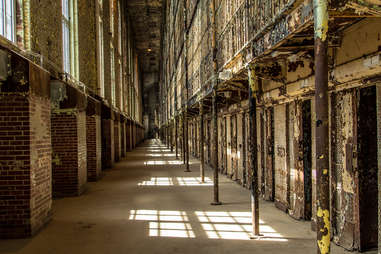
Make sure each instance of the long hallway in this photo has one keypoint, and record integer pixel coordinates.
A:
(148, 204)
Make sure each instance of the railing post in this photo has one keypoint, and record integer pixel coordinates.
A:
(202, 166)
(253, 154)
(322, 131)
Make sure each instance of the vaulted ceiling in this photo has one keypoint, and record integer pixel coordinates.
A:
(146, 19)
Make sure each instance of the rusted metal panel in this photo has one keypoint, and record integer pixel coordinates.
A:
(343, 137)
(280, 156)
(269, 172)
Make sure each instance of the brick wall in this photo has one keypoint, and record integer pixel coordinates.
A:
(25, 190)
(93, 137)
(69, 157)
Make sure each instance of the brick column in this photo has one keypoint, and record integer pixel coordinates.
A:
(128, 136)
(25, 149)
(108, 149)
(117, 137)
(68, 140)
(93, 139)
(123, 136)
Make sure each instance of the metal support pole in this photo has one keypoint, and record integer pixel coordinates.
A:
(176, 139)
(183, 138)
(171, 137)
(253, 153)
(186, 141)
(216, 200)
(322, 130)
(202, 165)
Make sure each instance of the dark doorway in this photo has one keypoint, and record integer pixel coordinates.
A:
(367, 167)
(307, 158)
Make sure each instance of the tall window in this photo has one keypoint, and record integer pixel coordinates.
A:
(101, 78)
(70, 37)
(7, 19)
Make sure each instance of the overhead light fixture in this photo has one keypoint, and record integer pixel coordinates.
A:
(149, 50)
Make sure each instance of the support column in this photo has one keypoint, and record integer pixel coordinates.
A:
(176, 138)
(186, 141)
(379, 163)
(216, 199)
(93, 139)
(171, 136)
(183, 137)
(322, 130)
(25, 150)
(202, 160)
(253, 155)
(69, 161)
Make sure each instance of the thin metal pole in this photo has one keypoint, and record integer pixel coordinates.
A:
(183, 138)
(216, 200)
(176, 141)
(186, 142)
(322, 130)
(202, 166)
(171, 136)
(253, 155)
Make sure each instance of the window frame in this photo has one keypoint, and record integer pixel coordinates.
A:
(3, 17)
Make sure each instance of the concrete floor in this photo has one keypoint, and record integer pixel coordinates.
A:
(148, 204)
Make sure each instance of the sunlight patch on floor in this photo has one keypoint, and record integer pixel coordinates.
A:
(157, 181)
(165, 223)
(194, 181)
(150, 163)
(178, 181)
(235, 226)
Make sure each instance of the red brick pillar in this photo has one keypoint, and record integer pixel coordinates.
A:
(93, 139)
(25, 150)
(69, 141)
(108, 149)
(123, 136)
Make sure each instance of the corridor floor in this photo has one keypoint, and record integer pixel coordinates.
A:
(148, 204)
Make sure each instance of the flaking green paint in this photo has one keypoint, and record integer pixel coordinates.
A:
(321, 19)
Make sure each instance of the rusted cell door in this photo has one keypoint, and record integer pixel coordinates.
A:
(233, 129)
(270, 156)
(247, 148)
(307, 158)
(367, 167)
(209, 141)
(244, 150)
(301, 180)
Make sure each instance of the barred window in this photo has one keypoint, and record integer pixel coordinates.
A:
(7, 20)
(70, 37)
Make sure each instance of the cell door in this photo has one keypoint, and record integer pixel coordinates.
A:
(233, 130)
(367, 167)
